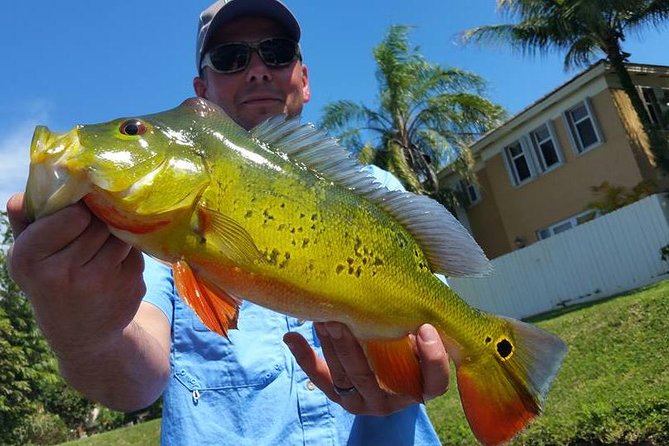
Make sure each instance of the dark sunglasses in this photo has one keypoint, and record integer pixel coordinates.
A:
(275, 52)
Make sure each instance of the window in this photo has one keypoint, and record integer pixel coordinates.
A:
(651, 103)
(519, 163)
(569, 223)
(545, 147)
(470, 191)
(582, 127)
(656, 101)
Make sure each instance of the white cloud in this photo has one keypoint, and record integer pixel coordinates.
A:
(15, 151)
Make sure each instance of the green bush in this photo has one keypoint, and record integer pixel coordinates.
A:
(46, 429)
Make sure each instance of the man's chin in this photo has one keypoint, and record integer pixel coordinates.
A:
(257, 115)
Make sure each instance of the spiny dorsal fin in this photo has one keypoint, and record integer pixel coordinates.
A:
(449, 247)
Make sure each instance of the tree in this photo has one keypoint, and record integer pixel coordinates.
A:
(36, 405)
(585, 30)
(31, 390)
(426, 117)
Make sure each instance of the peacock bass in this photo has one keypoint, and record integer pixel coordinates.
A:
(283, 217)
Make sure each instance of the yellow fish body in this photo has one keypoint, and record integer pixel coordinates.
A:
(282, 216)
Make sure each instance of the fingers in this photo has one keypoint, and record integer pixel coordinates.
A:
(433, 362)
(346, 366)
(315, 368)
(347, 361)
(17, 218)
(63, 227)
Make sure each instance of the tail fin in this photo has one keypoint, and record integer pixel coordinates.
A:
(502, 392)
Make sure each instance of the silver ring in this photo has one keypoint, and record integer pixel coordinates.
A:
(344, 391)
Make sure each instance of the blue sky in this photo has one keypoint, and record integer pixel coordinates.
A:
(85, 61)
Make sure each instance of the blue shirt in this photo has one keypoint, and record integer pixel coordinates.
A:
(249, 390)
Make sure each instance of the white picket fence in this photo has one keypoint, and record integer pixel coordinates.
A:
(611, 254)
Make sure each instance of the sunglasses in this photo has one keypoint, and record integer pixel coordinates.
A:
(233, 57)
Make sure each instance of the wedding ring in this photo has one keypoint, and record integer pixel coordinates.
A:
(344, 391)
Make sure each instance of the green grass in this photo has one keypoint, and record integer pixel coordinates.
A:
(144, 434)
(613, 387)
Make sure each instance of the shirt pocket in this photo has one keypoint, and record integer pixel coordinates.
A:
(252, 356)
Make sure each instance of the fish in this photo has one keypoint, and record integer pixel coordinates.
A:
(284, 217)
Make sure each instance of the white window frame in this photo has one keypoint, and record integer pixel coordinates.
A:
(574, 136)
(573, 221)
(525, 151)
(471, 192)
(538, 153)
(659, 105)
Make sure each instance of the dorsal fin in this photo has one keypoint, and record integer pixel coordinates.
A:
(448, 246)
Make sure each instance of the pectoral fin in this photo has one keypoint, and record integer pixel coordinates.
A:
(215, 308)
(396, 365)
(233, 241)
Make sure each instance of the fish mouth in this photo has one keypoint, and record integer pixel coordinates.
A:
(50, 185)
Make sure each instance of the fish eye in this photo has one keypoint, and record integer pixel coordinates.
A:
(132, 127)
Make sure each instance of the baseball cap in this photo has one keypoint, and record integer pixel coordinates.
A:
(224, 11)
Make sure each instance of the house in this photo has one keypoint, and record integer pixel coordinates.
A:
(536, 171)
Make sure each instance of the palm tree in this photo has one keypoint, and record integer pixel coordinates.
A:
(585, 30)
(426, 116)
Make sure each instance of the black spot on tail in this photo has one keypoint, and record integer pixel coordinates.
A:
(504, 348)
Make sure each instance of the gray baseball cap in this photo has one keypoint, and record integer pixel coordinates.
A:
(224, 11)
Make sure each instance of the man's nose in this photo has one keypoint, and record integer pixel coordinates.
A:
(257, 70)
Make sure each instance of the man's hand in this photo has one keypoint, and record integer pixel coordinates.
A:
(345, 367)
(84, 284)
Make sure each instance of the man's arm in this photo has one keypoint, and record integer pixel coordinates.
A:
(86, 288)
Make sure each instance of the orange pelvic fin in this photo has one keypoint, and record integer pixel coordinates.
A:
(502, 388)
(396, 366)
(217, 309)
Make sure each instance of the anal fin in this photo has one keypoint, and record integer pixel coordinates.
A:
(396, 365)
(215, 308)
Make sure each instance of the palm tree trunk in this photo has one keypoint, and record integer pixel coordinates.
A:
(659, 146)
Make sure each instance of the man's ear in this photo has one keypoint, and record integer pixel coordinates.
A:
(306, 92)
(200, 86)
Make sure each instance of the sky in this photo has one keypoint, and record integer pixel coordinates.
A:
(74, 62)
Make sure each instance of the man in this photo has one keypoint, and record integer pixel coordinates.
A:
(125, 343)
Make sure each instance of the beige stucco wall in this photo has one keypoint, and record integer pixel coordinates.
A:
(485, 220)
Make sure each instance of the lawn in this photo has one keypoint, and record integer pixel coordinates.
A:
(612, 389)
(144, 434)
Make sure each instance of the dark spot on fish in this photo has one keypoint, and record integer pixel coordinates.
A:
(416, 253)
(358, 272)
(312, 227)
(273, 256)
(302, 215)
(401, 240)
(349, 261)
(248, 214)
(314, 217)
(305, 242)
(488, 339)
(282, 205)
(504, 348)
(340, 268)
(286, 258)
